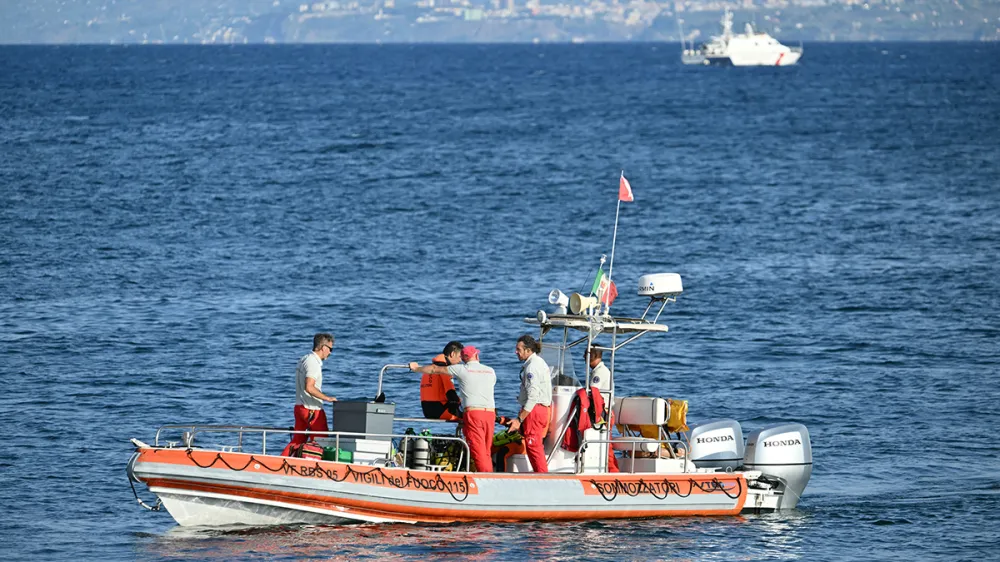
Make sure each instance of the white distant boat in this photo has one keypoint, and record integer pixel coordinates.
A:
(751, 48)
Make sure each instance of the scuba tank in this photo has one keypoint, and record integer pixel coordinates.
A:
(421, 451)
(406, 445)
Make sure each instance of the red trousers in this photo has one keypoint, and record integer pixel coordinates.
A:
(533, 429)
(306, 419)
(478, 429)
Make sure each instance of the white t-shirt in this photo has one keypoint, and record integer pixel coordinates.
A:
(310, 367)
(536, 383)
(600, 376)
(475, 384)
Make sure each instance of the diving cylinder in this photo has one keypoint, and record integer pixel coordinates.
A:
(783, 453)
(407, 445)
(421, 454)
(717, 444)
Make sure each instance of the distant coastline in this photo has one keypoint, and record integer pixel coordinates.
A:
(489, 21)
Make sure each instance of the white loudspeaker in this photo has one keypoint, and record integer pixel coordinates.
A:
(558, 298)
(580, 304)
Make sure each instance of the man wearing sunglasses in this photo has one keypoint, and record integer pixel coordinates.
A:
(309, 397)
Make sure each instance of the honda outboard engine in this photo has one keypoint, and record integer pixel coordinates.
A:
(717, 444)
(783, 454)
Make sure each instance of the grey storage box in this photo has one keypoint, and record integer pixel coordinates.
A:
(360, 416)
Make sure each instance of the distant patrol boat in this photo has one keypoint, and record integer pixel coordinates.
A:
(751, 48)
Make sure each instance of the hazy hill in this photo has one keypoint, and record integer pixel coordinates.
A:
(366, 21)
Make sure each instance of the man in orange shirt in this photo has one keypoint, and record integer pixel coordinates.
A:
(438, 398)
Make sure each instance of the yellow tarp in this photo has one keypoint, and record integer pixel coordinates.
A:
(678, 416)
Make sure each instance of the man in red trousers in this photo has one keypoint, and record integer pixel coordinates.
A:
(535, 399)
(309, 397)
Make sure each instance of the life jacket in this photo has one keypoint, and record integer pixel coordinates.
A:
(504, 446)
(438, 398)
(505, 437)
(589, 412)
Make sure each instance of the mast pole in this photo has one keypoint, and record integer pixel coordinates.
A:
(614, 239)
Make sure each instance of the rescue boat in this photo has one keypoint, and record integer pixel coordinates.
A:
(371, 470)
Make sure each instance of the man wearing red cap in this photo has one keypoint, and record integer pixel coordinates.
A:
(475, 387)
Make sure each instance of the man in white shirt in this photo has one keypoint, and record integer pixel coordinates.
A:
(600, 375)
(475, 387)
(535, 398)
(309, 396)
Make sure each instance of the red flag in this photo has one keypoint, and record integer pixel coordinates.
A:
(609, 293)
(624, 189)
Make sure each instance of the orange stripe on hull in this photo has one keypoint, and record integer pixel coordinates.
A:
(398, 478)
(662, 485)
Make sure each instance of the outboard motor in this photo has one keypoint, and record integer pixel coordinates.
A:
(717, 444)
(783, 454)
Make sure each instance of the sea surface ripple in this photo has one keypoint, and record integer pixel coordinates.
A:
(176, 222)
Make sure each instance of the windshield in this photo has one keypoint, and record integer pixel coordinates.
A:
(566, 376)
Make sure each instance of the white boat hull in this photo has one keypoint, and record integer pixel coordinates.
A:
(781, 58)
(191, 508)
(201, 487)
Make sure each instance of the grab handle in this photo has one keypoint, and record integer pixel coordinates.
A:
(381, 374)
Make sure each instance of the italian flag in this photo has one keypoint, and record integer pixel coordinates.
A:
(604, 288)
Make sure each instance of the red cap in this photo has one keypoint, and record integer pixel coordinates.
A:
(468, 352)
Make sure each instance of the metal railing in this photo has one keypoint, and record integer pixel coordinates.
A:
(188, 437)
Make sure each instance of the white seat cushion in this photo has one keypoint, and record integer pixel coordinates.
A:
(641, 410)
(641, 444)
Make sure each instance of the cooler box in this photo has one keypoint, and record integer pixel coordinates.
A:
(360, 450)
(337, 455)
(361, 416)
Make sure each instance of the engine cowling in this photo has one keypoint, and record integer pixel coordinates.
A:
(717, 444)
(783, 454)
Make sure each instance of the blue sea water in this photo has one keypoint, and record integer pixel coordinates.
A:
(176, 222)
